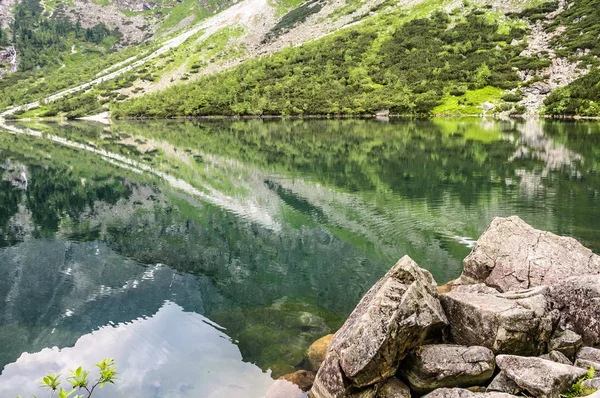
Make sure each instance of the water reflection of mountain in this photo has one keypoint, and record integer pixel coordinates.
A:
(283, 225)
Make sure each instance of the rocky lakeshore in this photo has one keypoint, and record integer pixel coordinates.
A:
(523, 319)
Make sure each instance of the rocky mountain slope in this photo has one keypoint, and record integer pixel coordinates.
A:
(525, 51)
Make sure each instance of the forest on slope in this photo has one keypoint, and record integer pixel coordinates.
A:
(428, 58)
(446, 63)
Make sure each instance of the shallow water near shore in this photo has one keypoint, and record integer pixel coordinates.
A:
(206, 256)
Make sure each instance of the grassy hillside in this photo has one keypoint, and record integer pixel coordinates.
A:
(391, 61)
(579, 41)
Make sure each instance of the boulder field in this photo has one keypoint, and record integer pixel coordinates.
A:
(522, 319)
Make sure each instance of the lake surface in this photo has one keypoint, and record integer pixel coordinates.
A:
(206, 256)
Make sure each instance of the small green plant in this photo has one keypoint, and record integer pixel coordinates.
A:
(79, 381)
(577, 389)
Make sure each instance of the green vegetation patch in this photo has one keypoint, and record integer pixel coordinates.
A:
(407, 67)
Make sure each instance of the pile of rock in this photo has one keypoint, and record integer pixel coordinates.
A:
(523, 319)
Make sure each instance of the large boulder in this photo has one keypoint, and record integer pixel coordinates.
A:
(507, 323)
(512, 255)
(444, 365)
(540, 377)
(317, 351)
(461, 393)
(394, 317)
(578, 300)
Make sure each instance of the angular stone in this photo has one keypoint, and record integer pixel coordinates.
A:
(317, 351)
(304, 379)
(507, 323)
(502, 383)
(567, 342)
(393, 388)
(539, 377)
(578, 300)
(512, 255)
(559, 357)
(393, 317)
(588, 357)
(444, 365)
(462, 393)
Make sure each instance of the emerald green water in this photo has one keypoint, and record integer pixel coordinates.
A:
(206, 256)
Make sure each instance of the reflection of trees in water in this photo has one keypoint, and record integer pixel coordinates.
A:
(353, 206)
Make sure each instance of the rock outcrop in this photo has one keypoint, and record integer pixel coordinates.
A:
(540, 377)
(445, 365)
(512, 255)
(518, 298)
(507, 323)
(393, 318)
(578, 300)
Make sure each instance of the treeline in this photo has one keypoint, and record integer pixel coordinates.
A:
(43, 41)
(579, 42)
(358, 70)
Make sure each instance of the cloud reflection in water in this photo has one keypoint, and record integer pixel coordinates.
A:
(171, 354)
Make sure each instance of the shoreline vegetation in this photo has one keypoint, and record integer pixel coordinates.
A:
(313, 117)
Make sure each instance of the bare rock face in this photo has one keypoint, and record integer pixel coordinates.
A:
(578, 300)
(512, 255)
(444, 365)
(317, 351)
(506, 323)
(461, 393)
(393, 318)
(567, 342)
(540, 377)
(393, 388)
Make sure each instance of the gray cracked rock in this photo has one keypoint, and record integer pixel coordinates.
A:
(567, 342)
(512, 255)
(578, 300)
(508, 323)
(447, 365)
(588, 357)
(462, 393)
(502, 383)
(394, 317)
(540, 377)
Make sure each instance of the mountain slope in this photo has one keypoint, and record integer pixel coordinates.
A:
(341, 56)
